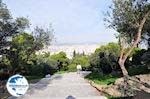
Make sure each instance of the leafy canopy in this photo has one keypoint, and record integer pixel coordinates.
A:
(126, 15)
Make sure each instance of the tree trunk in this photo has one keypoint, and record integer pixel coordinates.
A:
(122, 66)
(124, 56)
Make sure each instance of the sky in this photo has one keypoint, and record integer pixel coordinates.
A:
(74, 21)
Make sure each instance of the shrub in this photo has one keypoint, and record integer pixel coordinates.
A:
(101, 79)
(72, 68)
(61, 60)
(105, 58)
(138, 70)
(82, 60)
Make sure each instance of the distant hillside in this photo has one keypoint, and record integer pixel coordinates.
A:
(69, 48)
(90, 43)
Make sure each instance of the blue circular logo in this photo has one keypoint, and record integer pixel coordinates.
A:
(17, 85)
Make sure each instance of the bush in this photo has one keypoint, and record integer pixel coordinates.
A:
(137, 57)
(61, 61)
(138, 70)
(46, 64)
(37, 70)
(82, 60)
(103, 62)
(101, 79)
(105, 58)
(109, 48)
(72, 68)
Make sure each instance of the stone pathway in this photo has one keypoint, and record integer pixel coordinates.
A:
(66, 86)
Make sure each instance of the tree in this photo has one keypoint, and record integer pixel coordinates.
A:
(83, 53)
(43, 37)
(22, 53)
(9, 27)
(61, 59)
(109, 48)
(105, 58)
(130, 19)
(45, 64)
(74, 53)
(82, 60)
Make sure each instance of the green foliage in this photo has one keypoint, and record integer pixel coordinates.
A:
(4, 12)
(134, 51)
(9, 27)
(21, 57)
(5, 60)
(130, 18)
(72, 68)
(138, 70)
(48, 65)
(94, 60)
(61, 60)
(61, 56)
(54, 62)
(43, 37)
(23, 41)
(137, 57)
(23, 23)
(34, 79)
(22, 53)
(109, 48)
(82, 60)
(126, 16)
(101, 79)
(105, 58)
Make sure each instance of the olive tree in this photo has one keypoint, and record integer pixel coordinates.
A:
(130, 18)
(43, 37)
(9, 27)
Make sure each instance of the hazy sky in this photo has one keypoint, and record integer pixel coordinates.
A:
(74, 21)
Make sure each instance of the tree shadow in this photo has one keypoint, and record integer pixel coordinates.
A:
(42, 84)
(142, 95)
(85, 73)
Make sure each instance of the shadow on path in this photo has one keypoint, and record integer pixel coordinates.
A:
(41, 85)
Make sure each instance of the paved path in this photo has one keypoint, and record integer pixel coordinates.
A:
(66, 86)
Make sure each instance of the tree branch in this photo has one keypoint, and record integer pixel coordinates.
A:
(138, 37)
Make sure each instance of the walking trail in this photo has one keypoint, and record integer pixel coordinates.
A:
(63, 86)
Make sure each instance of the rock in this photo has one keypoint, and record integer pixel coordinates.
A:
(48, 76)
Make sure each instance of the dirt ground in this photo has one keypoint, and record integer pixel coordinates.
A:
(138, 86)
